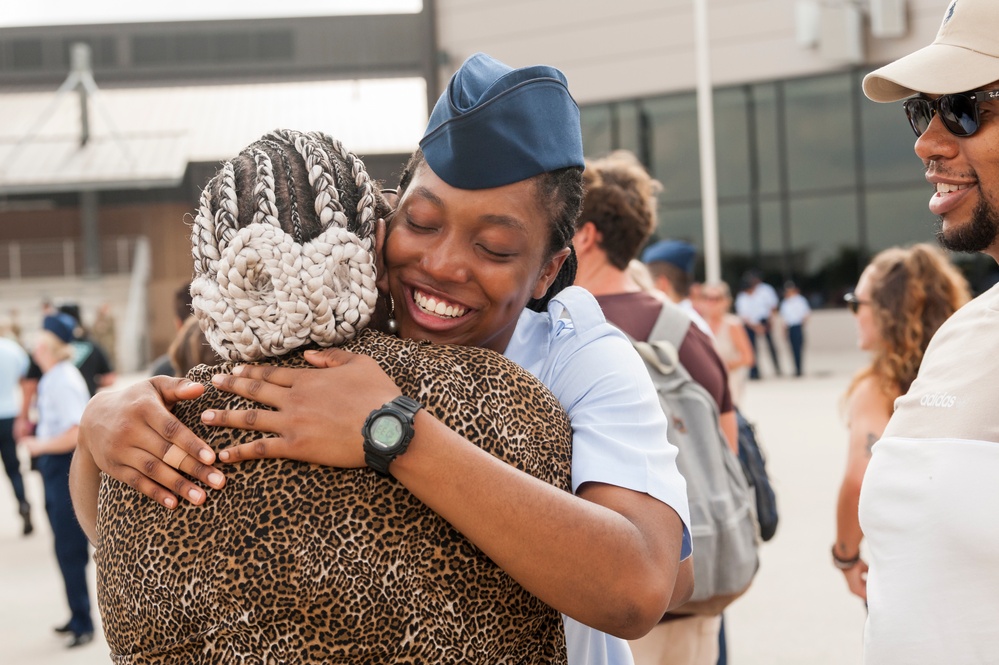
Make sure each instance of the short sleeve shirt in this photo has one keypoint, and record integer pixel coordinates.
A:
(13, 367)
(62, 397)
(619, 430)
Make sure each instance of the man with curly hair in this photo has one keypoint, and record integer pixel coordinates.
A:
(619, 215)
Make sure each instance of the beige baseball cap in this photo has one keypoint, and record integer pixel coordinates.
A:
(964, 56)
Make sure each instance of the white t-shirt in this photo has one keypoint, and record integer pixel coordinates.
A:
(794, 310)
(62, 397)
(619, 430)
(13, 367)
(756, 306)
(928, 505)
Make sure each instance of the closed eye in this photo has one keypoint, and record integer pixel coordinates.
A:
(498, 254)
(419, 228)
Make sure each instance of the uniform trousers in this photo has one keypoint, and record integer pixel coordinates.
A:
(11, 465)
(71, 546)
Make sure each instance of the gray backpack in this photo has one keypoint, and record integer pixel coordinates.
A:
(723, 520)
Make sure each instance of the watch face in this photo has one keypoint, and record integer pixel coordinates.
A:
(386, 432)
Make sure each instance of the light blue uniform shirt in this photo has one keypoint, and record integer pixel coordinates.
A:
(618, 426)
(13, 367)
(62, 397)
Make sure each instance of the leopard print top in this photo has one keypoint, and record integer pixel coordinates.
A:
(300, 563)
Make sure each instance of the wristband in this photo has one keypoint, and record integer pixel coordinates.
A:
(844, 564)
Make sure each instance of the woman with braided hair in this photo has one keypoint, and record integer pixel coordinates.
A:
(284, 242)
(902, 298)
(477, 253)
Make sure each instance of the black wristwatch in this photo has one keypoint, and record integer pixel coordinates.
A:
(388, 431)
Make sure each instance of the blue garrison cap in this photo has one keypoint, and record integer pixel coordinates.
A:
(61, 325)
(679, 253)
(495, 125)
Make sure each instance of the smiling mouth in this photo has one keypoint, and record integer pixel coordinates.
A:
(947, 188)
(430, 305)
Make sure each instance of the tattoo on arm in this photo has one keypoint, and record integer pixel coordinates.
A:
(872, 438)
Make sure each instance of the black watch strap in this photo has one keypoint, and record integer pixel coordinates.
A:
(401, 407)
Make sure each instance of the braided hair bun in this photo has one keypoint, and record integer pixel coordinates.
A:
(283, 245)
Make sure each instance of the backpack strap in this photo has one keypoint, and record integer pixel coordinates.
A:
(662, 351)
(671, 326)
(662, 356)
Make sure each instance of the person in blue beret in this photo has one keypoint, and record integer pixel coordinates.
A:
(671, 264)
(477, 252)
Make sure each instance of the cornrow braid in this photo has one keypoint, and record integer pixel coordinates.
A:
(561, 193)
(321, 177)
(296, 220)
(263, 190)
(228, 210)
(264, 285)
(360, 184)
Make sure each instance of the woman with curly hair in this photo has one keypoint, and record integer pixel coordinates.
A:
(901, 299)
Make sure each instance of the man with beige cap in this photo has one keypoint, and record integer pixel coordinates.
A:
(928, 502)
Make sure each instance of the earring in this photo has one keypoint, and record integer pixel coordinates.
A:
(391, 325)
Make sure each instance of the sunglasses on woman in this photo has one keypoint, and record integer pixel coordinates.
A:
(854, 303)
(958, 111)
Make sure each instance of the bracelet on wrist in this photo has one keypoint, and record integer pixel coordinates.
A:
(844, 564)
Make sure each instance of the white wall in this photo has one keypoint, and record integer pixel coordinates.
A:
(612, 49)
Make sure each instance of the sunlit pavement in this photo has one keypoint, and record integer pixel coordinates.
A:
(798, 611)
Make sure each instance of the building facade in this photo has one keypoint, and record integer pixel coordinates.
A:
(813, 178)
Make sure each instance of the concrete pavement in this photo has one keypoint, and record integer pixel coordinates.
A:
(798, 611)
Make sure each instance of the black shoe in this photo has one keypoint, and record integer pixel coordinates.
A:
(26, 517)
(66, 628)
(79, 639)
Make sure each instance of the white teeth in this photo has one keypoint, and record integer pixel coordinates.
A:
(432, 306)
(947, 188)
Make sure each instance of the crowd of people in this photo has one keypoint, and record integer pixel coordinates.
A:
(416, 425)
(46, 385)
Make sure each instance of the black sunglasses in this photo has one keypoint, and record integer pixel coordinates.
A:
(854, 303)
(958, 112)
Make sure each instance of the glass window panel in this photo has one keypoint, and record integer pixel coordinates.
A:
(824, 240)
(888, 142)
(673, 153)
(899, 217)
(819, 130)
(628, 128)
(731, 142)
(761, 102)
(734, 239)
(679, 222)
(596, 127)
(733, 229)
(771, 243)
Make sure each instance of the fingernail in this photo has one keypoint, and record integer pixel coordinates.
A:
(224, 455)
(217, 380)
(170, 502)
(215, 479)
(194, 494)
(205, 456)
(237, 370)
(208, 416)
(311, 352)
